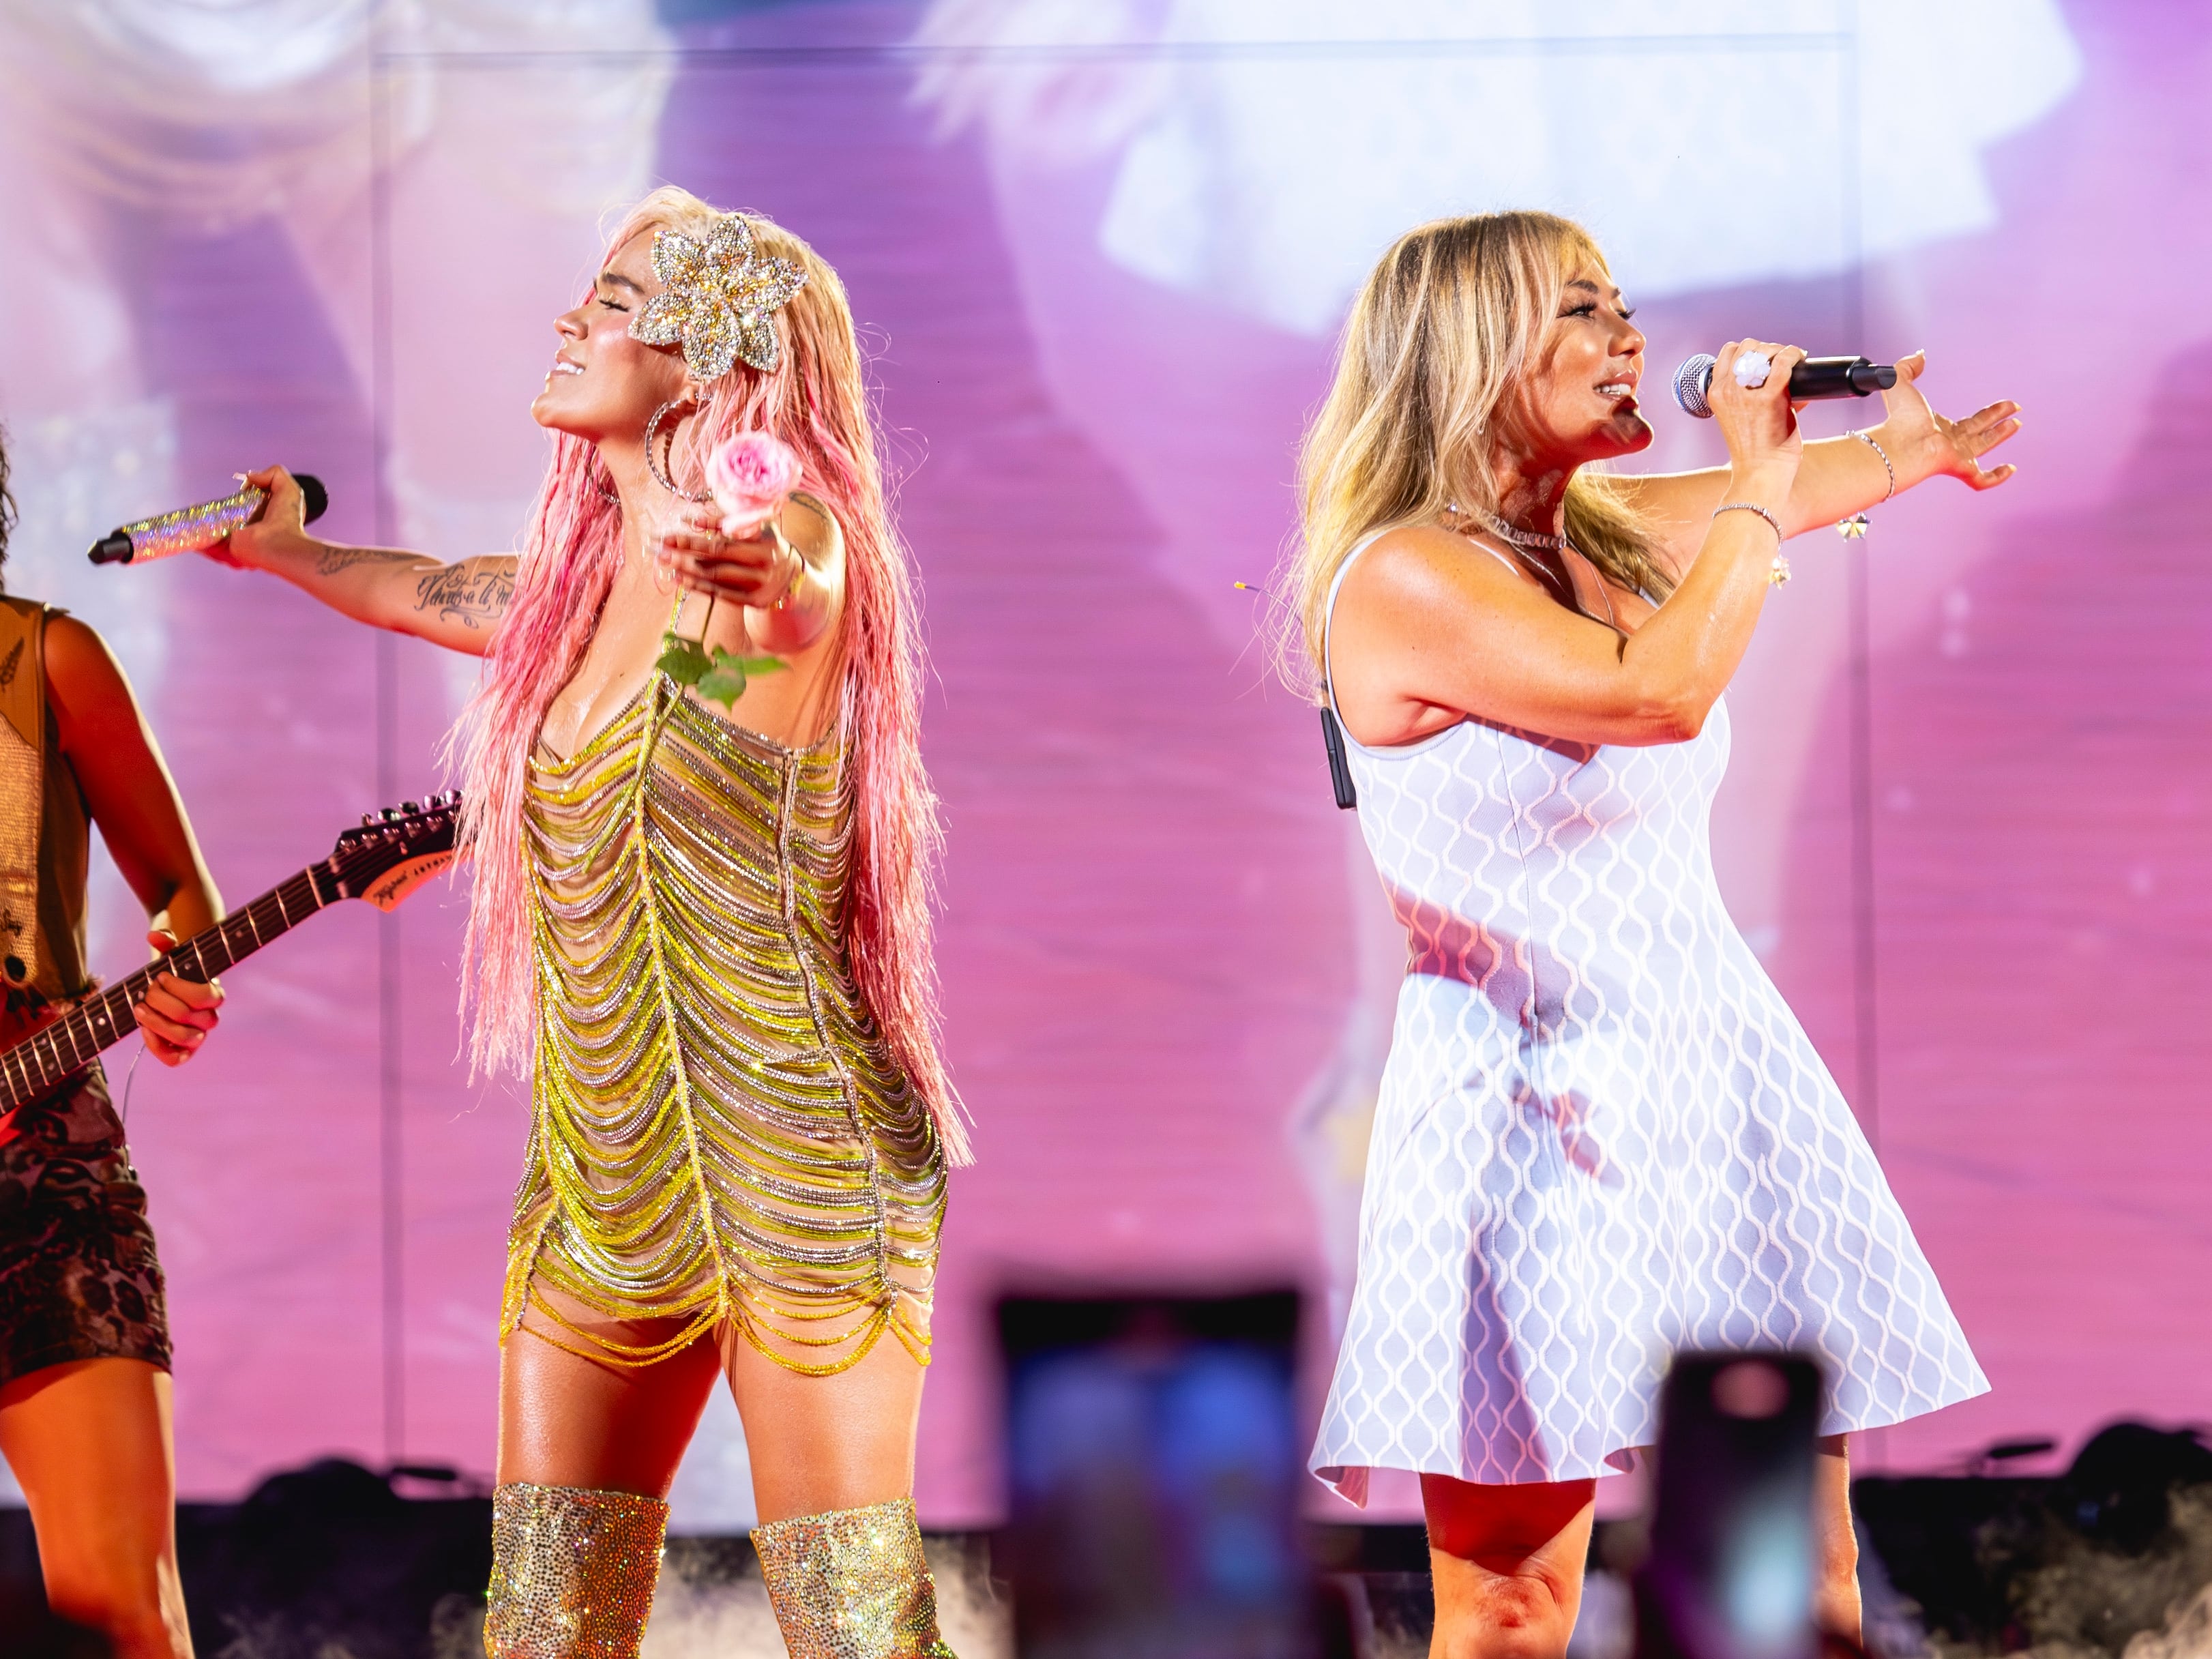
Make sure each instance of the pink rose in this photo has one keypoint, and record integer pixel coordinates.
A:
(751, 475)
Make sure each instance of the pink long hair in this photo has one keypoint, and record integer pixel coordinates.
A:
(816, 402)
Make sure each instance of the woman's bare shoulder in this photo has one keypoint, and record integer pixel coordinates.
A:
(84, 682)
(77, 657)
(809, 526)
(1422, 562)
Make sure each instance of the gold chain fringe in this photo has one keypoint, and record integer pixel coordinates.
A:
(719, 1131)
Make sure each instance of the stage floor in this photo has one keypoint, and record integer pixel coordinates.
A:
(330, 1559)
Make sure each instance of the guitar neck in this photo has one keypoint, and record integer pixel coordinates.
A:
(40, 1062)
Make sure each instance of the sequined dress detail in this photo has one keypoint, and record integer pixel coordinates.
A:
(719, 1129)
(1601, 1135)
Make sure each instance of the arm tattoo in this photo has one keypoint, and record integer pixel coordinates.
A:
(335, 559)
(473, 596)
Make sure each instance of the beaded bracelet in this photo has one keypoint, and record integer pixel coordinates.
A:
(1867, 437)
(1778, 573)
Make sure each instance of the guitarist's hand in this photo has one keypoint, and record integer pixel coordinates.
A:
(177, 1014)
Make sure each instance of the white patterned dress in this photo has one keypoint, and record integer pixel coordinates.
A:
(1601, 1135)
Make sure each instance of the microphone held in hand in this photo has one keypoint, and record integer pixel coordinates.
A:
(1814, 377)
(196, 528)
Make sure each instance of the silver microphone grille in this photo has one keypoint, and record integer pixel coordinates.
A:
(1690, 383)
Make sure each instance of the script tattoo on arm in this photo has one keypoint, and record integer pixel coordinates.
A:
(336, 559)
(474, 594)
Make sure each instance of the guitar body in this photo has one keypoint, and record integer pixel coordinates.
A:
(391, 854)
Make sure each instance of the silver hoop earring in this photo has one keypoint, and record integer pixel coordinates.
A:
(653, 465)
(613, 498)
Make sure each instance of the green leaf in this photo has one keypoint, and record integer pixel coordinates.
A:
(682, 660)
(722, 685)
(734, 664)
(720, 678)
(725, 682)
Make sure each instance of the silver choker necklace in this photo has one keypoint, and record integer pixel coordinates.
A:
(1509, 532)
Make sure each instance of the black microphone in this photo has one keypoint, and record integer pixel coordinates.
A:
(195, 528)
(1813, 379)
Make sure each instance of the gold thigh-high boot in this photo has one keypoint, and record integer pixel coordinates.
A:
(852, 1584)
(572, 1572)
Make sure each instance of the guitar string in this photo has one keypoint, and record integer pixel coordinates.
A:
(102, 1007)
(273, 909)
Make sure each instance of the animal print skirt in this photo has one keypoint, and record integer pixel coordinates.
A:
(79, 1279)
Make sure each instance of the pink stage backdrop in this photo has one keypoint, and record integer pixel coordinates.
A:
(1099, 254)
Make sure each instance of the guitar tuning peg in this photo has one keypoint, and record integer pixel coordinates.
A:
(410, 807)
(367, 818)
(388, 814)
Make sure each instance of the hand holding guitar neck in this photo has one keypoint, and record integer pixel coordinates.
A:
(389, 856)
(178, 1014)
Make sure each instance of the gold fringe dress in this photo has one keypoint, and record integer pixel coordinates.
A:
(720, 1131)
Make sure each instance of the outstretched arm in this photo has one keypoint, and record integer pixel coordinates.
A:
(791, 585)
(1424, 635)
(132, 799)
(455, 606)
(1839, 476)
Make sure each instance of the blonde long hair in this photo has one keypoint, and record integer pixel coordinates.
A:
(1428, 378)
(816, 401)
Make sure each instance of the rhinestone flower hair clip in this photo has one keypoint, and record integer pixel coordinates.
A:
(719, 299)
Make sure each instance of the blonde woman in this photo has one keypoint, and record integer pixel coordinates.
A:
(1601, 1136)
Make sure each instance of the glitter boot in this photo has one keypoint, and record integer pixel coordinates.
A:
(852, 1584)
(572, 1572)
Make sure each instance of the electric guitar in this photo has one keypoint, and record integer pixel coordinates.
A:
(391, 854)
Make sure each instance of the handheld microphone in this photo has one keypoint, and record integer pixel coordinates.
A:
(193, 529)
(1815, 378)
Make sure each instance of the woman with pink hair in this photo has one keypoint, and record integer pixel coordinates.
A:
(707, 937)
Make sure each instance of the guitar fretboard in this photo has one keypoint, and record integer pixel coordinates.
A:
(39, 1064)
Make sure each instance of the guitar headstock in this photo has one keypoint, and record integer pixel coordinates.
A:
(393, 852)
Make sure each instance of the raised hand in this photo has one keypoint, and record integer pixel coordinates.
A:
(283, 518)
(752, 570)
(1922, 444)
(1758, 424)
